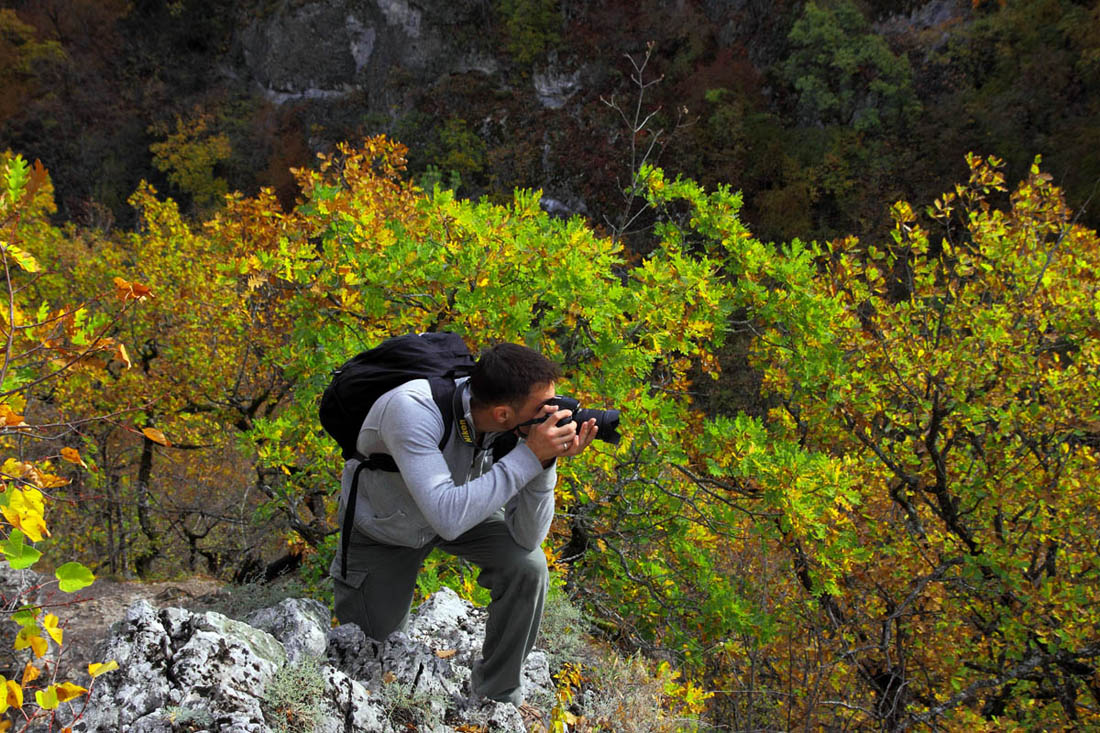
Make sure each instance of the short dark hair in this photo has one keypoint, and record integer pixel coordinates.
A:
(505, 374)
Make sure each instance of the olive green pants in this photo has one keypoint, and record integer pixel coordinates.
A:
(378, 592)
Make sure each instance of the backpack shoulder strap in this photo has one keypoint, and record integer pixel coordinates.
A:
(444, 393)
(349, 516)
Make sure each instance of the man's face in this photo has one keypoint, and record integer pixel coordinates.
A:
(532, 407)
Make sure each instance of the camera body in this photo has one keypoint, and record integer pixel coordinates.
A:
(607, 421)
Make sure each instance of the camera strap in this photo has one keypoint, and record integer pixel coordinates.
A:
(465, 429)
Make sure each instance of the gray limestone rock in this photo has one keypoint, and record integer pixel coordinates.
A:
(180, 670)
(176, 660)
(300, 624)
(331, 49)
(554, 87)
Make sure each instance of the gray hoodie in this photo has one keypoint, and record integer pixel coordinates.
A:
(442, 493)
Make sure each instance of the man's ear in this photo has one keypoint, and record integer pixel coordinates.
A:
(501, 414)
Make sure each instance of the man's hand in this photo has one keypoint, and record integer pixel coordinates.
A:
(548, 441)
(583, 439)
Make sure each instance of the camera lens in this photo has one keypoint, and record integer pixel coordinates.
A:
(607, 421)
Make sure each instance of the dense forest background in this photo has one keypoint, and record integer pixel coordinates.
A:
(857, 485)
(819, 113)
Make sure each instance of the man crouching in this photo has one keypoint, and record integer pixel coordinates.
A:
(456, 498)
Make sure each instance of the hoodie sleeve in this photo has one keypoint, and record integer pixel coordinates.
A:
(529, 513)
(411, 429)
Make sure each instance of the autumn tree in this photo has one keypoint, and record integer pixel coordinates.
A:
(43, 343)
(20, 51)
(902, 540)
(367, 254)
(174, 485)
(929, 467)
(189, 156)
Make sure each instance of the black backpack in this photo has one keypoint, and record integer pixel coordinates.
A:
(360, 381)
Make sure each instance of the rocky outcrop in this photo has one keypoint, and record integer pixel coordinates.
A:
(217, 674)
(554, 86)
(936, 18)
(366, 49)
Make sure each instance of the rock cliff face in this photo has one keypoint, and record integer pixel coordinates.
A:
(181, 670)
(366, 49)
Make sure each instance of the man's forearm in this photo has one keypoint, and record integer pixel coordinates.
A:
(530, 512)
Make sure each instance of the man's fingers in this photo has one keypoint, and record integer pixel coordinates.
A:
(581, 440)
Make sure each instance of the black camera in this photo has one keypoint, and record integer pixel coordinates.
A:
(607, 421)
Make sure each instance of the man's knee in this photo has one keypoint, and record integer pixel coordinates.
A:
(527, 568)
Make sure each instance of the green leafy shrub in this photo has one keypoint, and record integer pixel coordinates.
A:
(531, 27)
(845, 74)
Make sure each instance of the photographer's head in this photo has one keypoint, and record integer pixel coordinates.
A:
(509, 384)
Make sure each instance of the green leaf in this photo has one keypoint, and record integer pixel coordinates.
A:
(74, 576)
(47, 699)
(20, 555)
(16, 178)
(22, 258)
(26, 616)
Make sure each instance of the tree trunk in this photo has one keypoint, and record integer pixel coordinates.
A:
(143, 562)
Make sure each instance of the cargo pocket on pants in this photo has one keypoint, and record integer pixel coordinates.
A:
(349, 599)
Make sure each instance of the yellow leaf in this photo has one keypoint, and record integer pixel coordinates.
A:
(446, 653)
(24, 511)
(127, 290)
(34, 527)
(49, 481)
(95, 669)
(122, 355)
(16, 468)
(34, 501)
(9, 417)
(30, 674)
(29, 637)
(72, 456)
(155, 435)
(17, 316)
(67, 691)
(5, 725)
(13, 693)
(55, 632)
